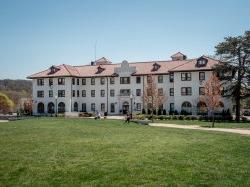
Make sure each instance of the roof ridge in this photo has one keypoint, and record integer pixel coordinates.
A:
(182, 64)
(65, 65)
(151, 61)
(42, 71)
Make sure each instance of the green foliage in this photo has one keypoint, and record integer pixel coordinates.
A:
(235, 68)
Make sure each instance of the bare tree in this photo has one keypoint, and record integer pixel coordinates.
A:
(212, 95)
(153, 97)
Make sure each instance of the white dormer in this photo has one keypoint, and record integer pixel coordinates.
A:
(178, 56)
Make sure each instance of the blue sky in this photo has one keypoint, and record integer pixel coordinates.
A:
(35, 34)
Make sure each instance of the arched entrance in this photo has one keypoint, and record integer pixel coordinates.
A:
(187, 107)
(61, 107)
(125, 107)
(40, 108)
(51, 108)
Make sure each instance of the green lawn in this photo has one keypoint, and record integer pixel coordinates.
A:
(77, 152)
(232, 124)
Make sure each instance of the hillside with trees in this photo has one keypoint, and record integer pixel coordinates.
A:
(16, 90)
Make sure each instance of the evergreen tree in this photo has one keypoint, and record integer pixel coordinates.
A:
(234, 69)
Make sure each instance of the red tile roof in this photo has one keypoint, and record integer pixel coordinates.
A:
(142, 68)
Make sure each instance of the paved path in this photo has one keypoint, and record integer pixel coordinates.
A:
(3, 121)
(196, 127)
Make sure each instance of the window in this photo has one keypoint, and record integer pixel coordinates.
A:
(138, 92)
(61, 81)
(84, 81)
(186, 91)
(78, 93)
(102, 107)
(92, 93)
(112, 80)
(73, 81)
(171, 91)
(112, 93)
(171, 107)
(50, 93)
(102, 81)
(149, 79)
(125, 80)
(186, 76)
(77, 81)
(171, 77)
(112, 107)
(50, 82)
(40, 93)
(138, 106)
(93, 107)
(160, 79)
(102, 93)
(84, 107)
(92, 81)
(61, 93)
(201, 76)
(40, 82)
(201, 91)
(201, 62)
(138, 80)
(83, 93)
(160, 91)
(125, 92)
(73, 93)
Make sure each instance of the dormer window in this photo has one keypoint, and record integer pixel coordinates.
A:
(100, 69)
(53, 70)
(156, 67)
(201, 62)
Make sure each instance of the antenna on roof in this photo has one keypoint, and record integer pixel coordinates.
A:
(95, 49)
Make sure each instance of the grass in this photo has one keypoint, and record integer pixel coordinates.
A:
(76, 152)
(207, 123)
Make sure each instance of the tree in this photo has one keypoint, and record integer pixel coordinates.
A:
(234, 69)
(212, 95)
(27, 107)
(5, 104)
(153, 97)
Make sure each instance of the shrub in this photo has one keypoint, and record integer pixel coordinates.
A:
(154, 112)
(164, 112)
(180, 117)
(161, 117)
(174, 117)
(143, 111)
(167, 117)
(184, 112)
(194, 117)
(85, 114)
(187, 117)
(159, 111)
(173, 112)
(244, 119)
(149, 111)
(139, 117)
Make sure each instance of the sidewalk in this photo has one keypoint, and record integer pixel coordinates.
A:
(196, 127)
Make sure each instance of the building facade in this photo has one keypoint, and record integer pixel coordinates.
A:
(118, 88)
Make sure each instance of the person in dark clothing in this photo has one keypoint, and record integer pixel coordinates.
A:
(127, 118)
